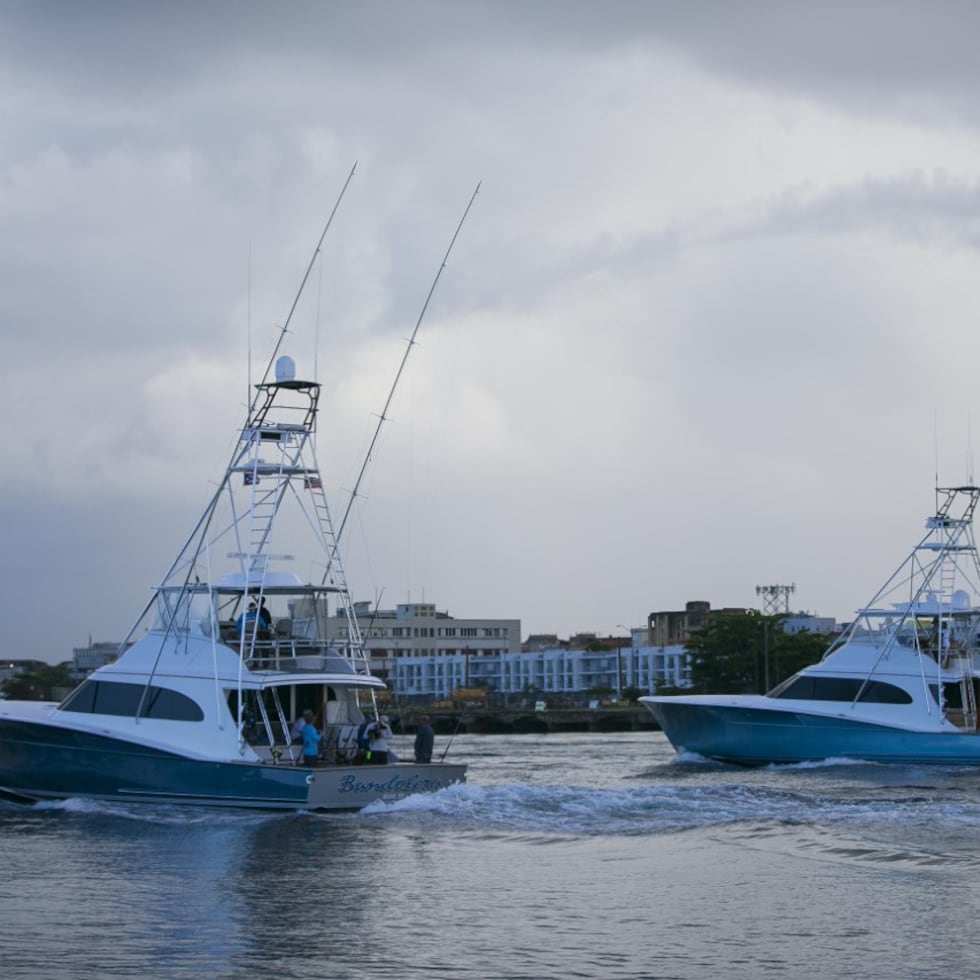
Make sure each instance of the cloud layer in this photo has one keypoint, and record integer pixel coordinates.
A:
(709, 325)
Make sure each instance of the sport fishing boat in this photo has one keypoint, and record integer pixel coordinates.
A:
(899, 685)
(230, 652)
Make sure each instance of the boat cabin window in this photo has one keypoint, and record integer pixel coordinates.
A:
(808, 687)
(116, 698)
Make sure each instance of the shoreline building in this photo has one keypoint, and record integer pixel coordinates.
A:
(671, 628)
(95, 655)
(418, 632)
(563, 669)
(423, 653)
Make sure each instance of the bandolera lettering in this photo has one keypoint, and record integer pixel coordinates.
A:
(397, 784)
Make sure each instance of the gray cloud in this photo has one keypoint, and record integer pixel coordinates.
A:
(717, 293)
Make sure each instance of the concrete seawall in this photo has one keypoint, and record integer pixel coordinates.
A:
(475, 720)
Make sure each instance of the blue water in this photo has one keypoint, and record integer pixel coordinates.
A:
(565, 856)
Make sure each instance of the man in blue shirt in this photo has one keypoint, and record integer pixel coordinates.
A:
(311, 740)
(247, 619)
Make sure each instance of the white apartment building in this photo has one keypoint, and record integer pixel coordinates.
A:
(419, 630)
(557, 670)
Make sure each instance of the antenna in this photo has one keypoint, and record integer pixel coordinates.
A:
(383, 417)
(299, 292)
(775, 598)
(248, 330)
(969, 448)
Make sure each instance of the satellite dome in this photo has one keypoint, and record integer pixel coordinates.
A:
(285, 368)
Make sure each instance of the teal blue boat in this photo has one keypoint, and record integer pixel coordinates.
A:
(901, 684)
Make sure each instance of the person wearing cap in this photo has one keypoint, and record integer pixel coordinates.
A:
(247, 619)
(378, 746)
(311, 739)
(424, 739)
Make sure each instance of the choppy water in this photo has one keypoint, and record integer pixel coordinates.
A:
(565, 856)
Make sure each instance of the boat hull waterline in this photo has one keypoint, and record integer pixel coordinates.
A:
(747, 736)
(42, 762)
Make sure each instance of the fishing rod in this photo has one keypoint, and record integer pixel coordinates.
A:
(459, 722)
(383, 417)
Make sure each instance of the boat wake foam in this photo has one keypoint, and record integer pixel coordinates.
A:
(661, 809)
(161, 814)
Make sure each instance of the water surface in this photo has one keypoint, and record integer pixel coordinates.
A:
(564, 856)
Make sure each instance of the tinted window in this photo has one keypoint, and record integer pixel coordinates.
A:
(881, 693)
(115, 698)
(82, 698)
(811, 688)
(800, 688)
(163, 703)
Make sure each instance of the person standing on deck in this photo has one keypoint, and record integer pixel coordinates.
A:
(424, 739)
(265, 617)
(380, 733)
(246, 621)
(311, 740)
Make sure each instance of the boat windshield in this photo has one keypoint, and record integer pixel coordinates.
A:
(813, 687)
(182, 611)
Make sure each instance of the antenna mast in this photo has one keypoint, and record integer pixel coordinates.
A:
(775, 598)
(299, 292)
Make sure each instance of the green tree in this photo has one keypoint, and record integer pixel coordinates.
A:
(41, 682)
(633, 693)
(737, 653)
(601, 690)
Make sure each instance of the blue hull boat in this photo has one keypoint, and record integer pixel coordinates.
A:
(901, 684)
(742, 735)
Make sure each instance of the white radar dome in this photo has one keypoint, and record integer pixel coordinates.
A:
(285, 369)
(961, 599)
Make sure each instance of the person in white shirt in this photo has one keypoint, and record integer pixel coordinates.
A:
(380, 744)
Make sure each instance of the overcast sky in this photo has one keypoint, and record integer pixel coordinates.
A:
(710, 324)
